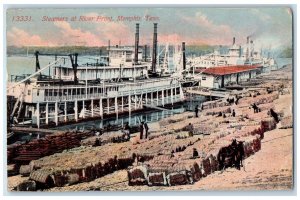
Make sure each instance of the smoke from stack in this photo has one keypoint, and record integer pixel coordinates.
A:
(136, 45)
(183, 55)
(154, 52)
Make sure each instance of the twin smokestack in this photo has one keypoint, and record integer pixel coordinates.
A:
(136, 46)
(154, 49)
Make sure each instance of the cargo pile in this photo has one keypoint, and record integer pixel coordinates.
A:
(86, 163)
(169, 170)
(175, 118)
(286, 122)
(79, 165)
(50, 144)
(261, 99)
(204, 157)
(215, 111)
(110, 137)
(214, 104)
(171, 155)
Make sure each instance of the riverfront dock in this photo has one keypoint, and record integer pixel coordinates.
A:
(208, 92)
(168, 152)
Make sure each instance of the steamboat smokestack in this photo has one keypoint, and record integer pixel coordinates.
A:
(154, 52)
(251, 48)
(145, 53)
(136, 46)
(233, 41)
(248, 44)
(183, 56)
(108, 48)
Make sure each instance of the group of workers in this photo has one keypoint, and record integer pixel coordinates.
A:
(144, 130)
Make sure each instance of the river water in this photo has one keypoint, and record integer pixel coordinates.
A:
(136, 118)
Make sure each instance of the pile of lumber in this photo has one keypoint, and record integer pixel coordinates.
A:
(48, 145)
(12, 151)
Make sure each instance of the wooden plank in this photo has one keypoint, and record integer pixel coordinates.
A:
(158, 108)
(31, 130)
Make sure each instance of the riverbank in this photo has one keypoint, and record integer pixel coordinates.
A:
(169, 147)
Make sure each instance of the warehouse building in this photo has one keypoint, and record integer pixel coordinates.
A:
(219, 77)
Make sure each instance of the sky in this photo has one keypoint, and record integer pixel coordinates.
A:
(269, 27)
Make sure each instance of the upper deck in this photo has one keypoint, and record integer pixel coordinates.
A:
(34, 93)
(101, 72)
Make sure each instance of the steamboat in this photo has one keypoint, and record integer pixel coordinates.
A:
(128, 82)
(241, 55)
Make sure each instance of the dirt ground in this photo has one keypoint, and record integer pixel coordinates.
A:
(269, 169)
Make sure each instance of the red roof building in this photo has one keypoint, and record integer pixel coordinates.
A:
(226, 70)
(219, 77)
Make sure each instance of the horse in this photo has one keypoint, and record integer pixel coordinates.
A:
(226, 156)
(231, 156)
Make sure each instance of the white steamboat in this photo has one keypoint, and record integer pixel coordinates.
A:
(77, 92)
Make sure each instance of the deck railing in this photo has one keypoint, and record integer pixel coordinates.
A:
(111, 91)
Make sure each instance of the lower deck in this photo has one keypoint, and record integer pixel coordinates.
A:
(45, 113)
